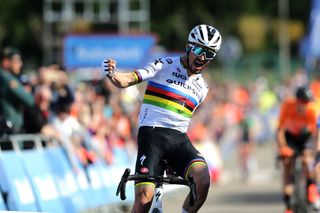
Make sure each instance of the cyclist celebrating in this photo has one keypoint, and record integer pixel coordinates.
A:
(297, 125)
(175, 89)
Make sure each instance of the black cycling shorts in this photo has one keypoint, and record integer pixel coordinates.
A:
(156, 144)
(299, 142)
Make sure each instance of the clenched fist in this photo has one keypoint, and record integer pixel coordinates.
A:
(108, 67)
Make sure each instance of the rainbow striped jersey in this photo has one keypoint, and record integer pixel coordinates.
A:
(171, 96)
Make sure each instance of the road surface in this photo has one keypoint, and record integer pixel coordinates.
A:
(261, 192)
(236, 197)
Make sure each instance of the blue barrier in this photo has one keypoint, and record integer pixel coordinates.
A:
(116, 172)
(15, 182)
(42, 181)
(86, 189)
(106, 179)
(122, 161)
(120, 157)
(96, 182)
(68, 187)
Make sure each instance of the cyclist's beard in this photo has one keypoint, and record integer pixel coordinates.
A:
(197, 65)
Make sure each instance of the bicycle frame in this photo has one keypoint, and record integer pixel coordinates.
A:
(156, 206)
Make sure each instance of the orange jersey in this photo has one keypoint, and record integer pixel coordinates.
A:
(296, 116)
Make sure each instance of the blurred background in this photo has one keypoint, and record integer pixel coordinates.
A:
(61, 115)
(268, 38)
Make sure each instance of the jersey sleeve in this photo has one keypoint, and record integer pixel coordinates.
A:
(283, 113)
(312, 120)
(149, 71)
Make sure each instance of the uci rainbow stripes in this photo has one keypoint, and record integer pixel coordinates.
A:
(170, 99)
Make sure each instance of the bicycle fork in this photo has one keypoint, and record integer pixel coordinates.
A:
(156, 206)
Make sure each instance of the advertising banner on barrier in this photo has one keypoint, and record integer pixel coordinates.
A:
(310, 46)
(42, 181)
(15, 183)
(314, 41)
(82, 51)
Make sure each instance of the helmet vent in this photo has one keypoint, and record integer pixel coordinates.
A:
(202, 36)
(217, 39)
(205, 35)
(211, 32)
(200, 41)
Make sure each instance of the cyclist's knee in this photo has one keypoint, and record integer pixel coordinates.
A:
(202, 188)
(141, 204)
(200, 174)
(143, 194)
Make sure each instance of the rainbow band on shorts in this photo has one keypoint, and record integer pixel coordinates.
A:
(145, 183)
(193, 163)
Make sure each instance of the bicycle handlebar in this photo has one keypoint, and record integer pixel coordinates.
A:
(122, 185)
(158, 179)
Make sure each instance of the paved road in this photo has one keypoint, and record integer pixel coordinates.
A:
(233, 197)
(260, 193)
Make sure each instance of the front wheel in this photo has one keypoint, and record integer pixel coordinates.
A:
(300, 203)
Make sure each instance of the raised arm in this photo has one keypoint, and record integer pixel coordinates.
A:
(119, 79)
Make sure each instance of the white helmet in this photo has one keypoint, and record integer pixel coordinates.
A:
(205, 35)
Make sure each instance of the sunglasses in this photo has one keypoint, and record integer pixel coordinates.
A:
(199, 51)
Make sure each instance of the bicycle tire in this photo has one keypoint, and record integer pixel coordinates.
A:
(299, 198)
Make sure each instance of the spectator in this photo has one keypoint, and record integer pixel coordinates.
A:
(58, 81)
(37, 117)
(73, 136)
(101, 143)
(13, 97)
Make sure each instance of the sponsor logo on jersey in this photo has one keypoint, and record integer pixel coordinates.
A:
(150, 68)
(179, 75)
(185, 86)
(169, 60)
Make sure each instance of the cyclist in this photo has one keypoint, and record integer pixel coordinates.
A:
(175, 89)
(297, 125)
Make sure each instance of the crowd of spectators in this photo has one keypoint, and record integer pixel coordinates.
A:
(92, 118)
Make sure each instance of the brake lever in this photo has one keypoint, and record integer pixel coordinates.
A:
(122, 185)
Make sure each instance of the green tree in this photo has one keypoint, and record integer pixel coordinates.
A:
(21, 26)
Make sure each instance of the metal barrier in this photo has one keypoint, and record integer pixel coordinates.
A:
(38, 141)
(36, 175)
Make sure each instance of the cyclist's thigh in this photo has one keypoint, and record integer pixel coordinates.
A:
(149, 152)
(184, 155)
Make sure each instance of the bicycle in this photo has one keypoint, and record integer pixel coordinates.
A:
(299, 197)
(172, 178)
